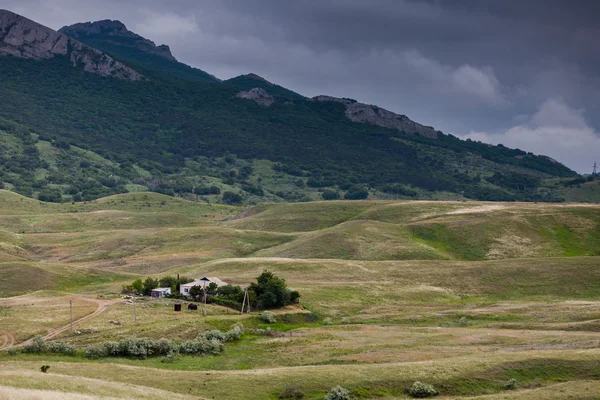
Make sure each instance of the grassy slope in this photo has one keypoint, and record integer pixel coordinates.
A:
(398, 280)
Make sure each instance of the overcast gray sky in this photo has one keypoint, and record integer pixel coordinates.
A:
(522, 73)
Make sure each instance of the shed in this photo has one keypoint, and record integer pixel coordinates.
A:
(160, 292)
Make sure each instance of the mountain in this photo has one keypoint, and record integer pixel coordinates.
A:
(71, 133)
(253, 81)
(114, 38)
(23, 38)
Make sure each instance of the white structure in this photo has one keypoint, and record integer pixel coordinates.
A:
(161, 292)
(185, 288)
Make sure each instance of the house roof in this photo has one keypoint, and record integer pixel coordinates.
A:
(200, 282)
(161, 289)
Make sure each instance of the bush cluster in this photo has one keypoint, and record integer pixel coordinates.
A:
(38, 346)
(210, 342)
(338, 393)
(421, 390)
(268, 317)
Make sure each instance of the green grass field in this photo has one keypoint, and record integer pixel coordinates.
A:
(461, 295)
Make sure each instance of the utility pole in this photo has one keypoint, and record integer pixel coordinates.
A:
(71, 314)
(244, 301)
(204, 280)
(594, 173)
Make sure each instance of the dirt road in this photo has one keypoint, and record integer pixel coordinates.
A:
(102, 306)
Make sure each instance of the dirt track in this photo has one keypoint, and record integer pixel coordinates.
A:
(102, 306)
(6, 339)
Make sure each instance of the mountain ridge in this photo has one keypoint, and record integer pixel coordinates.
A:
(116, 28)
(23, 38)
(182, 132)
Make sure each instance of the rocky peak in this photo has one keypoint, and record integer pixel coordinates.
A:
(258, 95)
(365, 113)
(94, 28)
(113, 31)
(23, 38)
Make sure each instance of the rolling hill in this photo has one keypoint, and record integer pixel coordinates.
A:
(463, 295)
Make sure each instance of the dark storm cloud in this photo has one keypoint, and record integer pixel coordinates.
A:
(523, 73)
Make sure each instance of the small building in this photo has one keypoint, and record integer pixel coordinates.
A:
(161, 292)
(184, 289)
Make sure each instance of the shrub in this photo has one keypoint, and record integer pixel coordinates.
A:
(421, 390)
(235, 333)
(338, 393)
(11, 351)
(170, 358)
(510, 385)
(62, 348)
(232, 198)
(44, 368)
(111, 348)
(268, 317)
(37, 345)
(164, 347)
(95, 351)
(215, 334)
(356, 192)
(201, 345)
(330, 195)
(292, 391)
(463, 321)
(327, 321)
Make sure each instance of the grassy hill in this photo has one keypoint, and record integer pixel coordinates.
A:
(462, 295)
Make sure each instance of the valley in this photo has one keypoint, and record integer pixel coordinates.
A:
(462, 295)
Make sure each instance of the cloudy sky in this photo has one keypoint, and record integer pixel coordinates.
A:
(521, 73)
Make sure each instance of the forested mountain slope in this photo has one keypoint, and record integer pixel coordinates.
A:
(181, 131)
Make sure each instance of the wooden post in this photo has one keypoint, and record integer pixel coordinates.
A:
(71, 314)
(134, 313)
(204, 307)
(244, 301)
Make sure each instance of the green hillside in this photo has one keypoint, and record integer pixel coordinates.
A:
(459, 294)
(70, 135)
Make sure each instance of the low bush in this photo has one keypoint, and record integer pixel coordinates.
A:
(38, 345)
(44, 368)
(510, 385)
(338, 393)
(210, 342)
(292, 391)
(62, 348)
(95, 351)
(421, 390)
(268, 317)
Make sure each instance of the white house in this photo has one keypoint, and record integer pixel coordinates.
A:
(184, 289)
(161, 292)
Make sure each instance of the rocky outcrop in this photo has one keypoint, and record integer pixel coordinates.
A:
(258, 95)
(23, 38)
(365, 113)
(114, 32)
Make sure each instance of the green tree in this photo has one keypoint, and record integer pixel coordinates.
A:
(271, 291)
(356, 192)
(232, 198)
(196, 293)
(148, 285)
(330, 195)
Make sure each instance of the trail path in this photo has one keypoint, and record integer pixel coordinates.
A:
(102, 306)
(6, 339)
